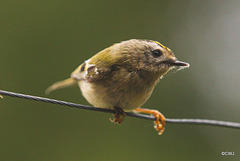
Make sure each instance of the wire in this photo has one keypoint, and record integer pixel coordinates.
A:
(168, 120)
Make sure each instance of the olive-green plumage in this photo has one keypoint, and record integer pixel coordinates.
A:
(123, 75)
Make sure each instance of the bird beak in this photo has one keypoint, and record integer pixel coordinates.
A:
(179, 63)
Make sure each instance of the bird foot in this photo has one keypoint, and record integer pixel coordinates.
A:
(160, 119)
(118, 116)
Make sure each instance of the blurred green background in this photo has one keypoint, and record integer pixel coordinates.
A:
(42, 42)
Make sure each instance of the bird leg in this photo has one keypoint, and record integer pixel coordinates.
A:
(160, 119)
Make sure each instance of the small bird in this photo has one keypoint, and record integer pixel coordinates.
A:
(122, 77)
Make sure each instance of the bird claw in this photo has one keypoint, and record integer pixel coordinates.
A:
(118, 116)
(160, 121)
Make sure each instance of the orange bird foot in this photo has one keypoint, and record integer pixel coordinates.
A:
(118, 116)
(160, 119)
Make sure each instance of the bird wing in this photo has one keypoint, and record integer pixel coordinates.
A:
(91, 72)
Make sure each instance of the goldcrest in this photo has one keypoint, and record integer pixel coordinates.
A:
(123, 76)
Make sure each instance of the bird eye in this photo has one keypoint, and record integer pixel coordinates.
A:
(157, 53)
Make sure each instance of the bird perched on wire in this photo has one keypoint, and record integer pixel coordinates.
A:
(123, 76)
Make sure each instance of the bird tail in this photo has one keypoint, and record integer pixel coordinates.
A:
(61, 84)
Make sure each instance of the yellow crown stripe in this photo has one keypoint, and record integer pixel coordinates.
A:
(161, 45)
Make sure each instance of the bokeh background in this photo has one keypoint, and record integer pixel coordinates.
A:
(42, 42)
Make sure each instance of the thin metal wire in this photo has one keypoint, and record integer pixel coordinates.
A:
(175, 121)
